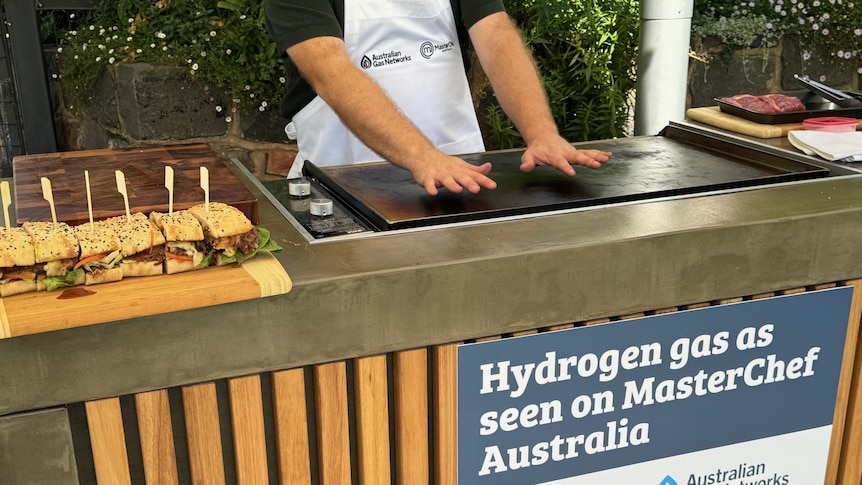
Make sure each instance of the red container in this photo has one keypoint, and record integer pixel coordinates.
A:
(831, 123)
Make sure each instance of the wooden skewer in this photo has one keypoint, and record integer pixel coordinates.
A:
(89, 199)
(169, 184)
(205, 184)
(7, 201)
(48, 195)
(121, 188)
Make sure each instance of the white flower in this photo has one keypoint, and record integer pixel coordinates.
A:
(76, 56)
(164, 48)
(54, 75)
(262, 108)
(131, 21)
(98, 59)
(263, 104)
(195, 66)
(152, 46)
(128, 39)
(92, 27)
(71, 15)
(282, 80)
(59, 49)
(161, 35)
(218, 109)
(227, 119)
(227, 52)
(139, 51)
(212, 33)
(110, 51)
(111, 60)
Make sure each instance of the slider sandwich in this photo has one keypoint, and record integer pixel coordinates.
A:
(55, 249)
(100, 253)
(230, 236)
(185, 249)
(17, 262)
(142, 244)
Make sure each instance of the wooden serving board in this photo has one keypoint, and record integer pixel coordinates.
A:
(45, 311)
(144, 171)
(713, 116)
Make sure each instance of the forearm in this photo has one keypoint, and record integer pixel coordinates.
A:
(513, 76)
(360, 103)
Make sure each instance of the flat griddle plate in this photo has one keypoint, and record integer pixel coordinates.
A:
(641, 168)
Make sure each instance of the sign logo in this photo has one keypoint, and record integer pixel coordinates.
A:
(365, 62)
(668, 481)
(426, 49)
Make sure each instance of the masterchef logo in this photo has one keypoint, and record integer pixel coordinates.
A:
(427, 49)
(384, 59)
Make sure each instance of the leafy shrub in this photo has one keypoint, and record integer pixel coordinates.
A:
(834, 25)
(585, 51)
(221, 42)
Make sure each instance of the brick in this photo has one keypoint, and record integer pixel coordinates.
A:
(279, 162)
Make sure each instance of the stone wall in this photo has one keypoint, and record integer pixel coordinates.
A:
(142, 104)
(759, 70)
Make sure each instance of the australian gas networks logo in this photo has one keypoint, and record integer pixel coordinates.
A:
(384, 59)
(428, 48)
(742, 474)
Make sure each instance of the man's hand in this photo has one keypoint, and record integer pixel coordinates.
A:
(439, 170)
(555, 151)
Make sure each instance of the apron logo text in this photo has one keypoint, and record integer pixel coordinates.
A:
(427, 49)
(385, 59)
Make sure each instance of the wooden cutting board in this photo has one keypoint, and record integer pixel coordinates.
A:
(43, 311)
(713, 116)
(144, 172)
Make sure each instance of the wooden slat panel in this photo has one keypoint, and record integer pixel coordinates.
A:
(291, 427)
(204, 438)
(108, 442)
(411, 417)
(157, 438)
(372, 419)
(333, 435)
(445, 414)
(249, 437)
(844, 466)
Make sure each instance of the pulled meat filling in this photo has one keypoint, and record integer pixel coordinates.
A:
(244, 243)
(153, 255)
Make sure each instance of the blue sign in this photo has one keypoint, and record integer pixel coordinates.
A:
(552, 406)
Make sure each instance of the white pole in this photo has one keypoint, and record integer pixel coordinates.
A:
(662, 64)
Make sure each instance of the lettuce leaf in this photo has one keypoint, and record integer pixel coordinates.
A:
(264, 243)
(54, 282)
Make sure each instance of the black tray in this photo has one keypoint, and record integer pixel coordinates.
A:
(680, 162)
(814, 109)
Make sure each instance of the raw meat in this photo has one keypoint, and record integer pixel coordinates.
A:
(767, 103)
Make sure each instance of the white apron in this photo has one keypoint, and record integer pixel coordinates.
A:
(411, 49)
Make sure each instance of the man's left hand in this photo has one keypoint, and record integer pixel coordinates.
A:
(557, 152)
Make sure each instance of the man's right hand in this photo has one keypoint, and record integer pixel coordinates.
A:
(438, 170)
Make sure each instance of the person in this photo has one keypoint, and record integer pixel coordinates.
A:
(385, 79)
